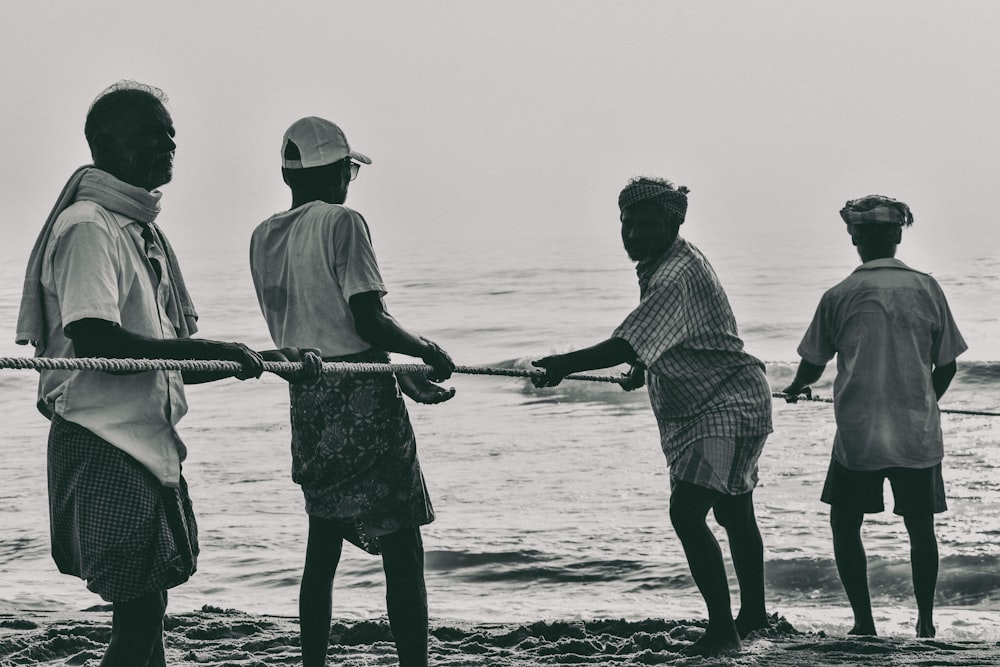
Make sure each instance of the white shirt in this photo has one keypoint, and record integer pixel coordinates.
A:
(889, 326)
(96, 266)
(306, 265)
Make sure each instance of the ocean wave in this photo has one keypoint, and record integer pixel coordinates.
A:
(966, 581)
(962, 580)
(536, 567)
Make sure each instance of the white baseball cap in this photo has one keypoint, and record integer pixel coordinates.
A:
(314, 142)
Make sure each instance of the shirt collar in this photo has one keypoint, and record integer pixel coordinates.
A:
(885, 263)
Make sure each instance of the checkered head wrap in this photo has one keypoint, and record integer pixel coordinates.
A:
(671, 197)
(876, 209)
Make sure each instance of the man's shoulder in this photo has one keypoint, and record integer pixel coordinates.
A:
(682, 261)
(314, 212)
(83, 212)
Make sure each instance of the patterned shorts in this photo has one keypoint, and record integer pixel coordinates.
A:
(354, 453)
(726, 465)
(112, 523)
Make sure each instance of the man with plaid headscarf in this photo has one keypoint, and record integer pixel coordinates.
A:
(896, 344)
(710, 398)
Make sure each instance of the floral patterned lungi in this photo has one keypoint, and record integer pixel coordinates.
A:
(354, 453)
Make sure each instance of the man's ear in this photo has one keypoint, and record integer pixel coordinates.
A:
(898, 235)
(106, 151)
(853, 231)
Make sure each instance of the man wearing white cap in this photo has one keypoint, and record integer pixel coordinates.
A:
(353, 449)
(896, 344)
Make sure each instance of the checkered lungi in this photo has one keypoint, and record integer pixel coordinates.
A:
(112, 523)
(354, 453)
(723, 464)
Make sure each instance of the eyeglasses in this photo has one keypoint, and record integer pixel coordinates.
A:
(354, 167)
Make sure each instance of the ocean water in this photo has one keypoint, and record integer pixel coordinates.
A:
(552, 504)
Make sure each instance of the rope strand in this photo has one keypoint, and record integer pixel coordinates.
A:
(139, 365)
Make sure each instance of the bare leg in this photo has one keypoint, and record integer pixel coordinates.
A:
(136, 631)
(852, 564)
(406, 594)
(689, 506)
(316, 590)
(159, 658)
(736, 515)
(924, 564)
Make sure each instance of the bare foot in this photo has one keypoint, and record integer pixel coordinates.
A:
(864, 630)
(925, 628)
(713, 644)
(750, 623)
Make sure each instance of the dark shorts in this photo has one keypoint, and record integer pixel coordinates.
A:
(112, 523)
(914, 490)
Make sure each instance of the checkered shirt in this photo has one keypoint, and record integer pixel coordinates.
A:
(701, 382)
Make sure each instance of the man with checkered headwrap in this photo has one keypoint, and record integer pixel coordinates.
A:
(896, 343)
(710, 398)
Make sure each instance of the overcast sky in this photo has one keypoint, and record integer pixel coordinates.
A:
(525, 118)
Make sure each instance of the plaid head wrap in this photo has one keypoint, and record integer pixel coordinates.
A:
(876, 209)
(672, 198)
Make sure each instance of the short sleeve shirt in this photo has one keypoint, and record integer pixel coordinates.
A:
(97, 265)
(701, 382)
(306, 265)
(888, 326)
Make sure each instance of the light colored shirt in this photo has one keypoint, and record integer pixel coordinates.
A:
(97, 265)
(315, 249)
(701, 382)
(889, 326)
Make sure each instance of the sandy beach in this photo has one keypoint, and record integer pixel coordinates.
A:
(227, 638)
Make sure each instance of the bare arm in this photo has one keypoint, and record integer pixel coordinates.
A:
(805, 375)
(941, 378)
(381, 330)
(100, 338)
(610, 352)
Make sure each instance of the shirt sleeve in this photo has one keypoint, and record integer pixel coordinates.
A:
(85, 272)
(659, 323)
(354, 258)
(948, 342)
(817, 345)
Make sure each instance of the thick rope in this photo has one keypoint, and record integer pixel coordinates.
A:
(138, 365)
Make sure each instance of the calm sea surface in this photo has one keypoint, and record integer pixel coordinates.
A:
(551, 504)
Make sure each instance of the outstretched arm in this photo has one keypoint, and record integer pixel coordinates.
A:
(610, 352)
(941, 378)
(805, 375)
(101, 338)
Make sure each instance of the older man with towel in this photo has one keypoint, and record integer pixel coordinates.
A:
(102, 281)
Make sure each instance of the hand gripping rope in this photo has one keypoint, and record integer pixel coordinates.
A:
(138, 365)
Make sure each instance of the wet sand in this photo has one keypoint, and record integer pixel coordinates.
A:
(229, 638)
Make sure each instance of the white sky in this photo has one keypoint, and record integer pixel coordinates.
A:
(525, 118)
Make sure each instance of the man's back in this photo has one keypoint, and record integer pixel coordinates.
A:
(306, 264)
(889, 326)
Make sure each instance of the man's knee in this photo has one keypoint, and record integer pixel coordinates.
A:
(138, 623)
(734, 512)
(921, 529)
(689, 505)
(844, 521)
